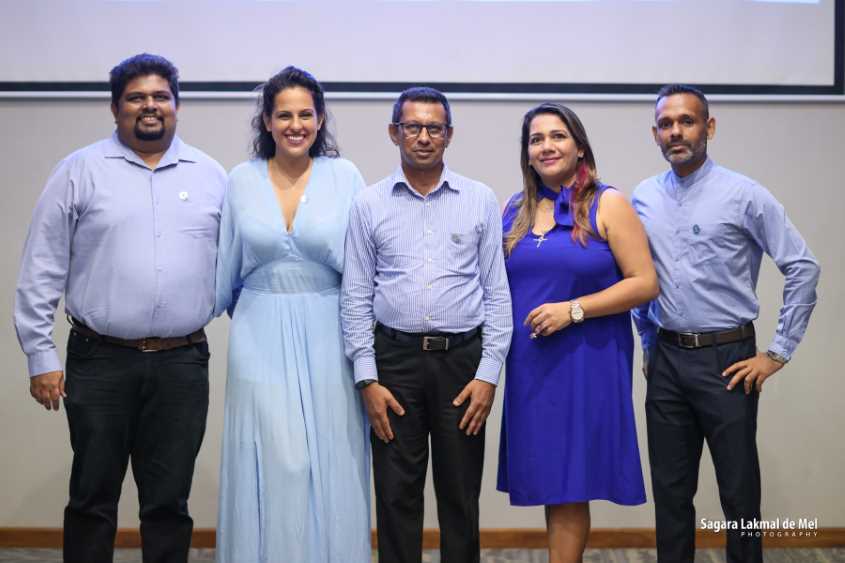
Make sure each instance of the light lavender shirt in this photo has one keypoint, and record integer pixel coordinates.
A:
(708, 232)
(132, 249)
(426, 264)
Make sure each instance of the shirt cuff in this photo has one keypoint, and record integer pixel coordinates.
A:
(43, 362)
(488, 370)
(777, 346)
(365, 368)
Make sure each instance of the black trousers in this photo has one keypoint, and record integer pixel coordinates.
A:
(686, 403)
(425, 384)
(151, 408)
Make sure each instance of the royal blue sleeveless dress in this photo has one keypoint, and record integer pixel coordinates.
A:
(568, 430)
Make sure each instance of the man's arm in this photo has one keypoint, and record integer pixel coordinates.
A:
(41, 283)
(646, 329)
(766, 222)
(498, 323)
(357, 318)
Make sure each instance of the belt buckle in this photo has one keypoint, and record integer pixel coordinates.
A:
(435, 343)
(688, 340)
(150, 345)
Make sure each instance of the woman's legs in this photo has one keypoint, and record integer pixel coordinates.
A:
(568, 526)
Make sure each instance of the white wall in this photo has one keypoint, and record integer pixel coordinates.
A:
(794, 149)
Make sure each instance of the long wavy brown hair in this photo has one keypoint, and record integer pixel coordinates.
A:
(584, 191)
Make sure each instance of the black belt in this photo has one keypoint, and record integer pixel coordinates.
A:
(429, 342)
(703, 339)
(151, 344)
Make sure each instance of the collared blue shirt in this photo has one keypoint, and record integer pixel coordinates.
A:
(132, 249)
(708, 232)
(426, 264)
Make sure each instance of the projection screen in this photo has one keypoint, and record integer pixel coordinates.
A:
(505, 46)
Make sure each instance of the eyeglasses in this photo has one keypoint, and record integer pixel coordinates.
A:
(435, 130)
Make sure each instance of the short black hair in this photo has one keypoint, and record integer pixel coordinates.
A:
(672, 89)
(421, 94)
(144, 64)
(263, 145)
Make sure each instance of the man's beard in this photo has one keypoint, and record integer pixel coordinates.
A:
(147, 135)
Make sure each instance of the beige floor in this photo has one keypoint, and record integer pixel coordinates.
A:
(836, 555)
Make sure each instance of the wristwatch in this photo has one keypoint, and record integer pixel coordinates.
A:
(774, 356)
(365, 382)
(576, 313)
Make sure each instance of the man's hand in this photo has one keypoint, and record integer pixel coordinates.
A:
(480, 394)
(377, 399)
(549, 318)
(47, 388)
(753, 370)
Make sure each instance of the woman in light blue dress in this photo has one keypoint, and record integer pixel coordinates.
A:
(294, 478)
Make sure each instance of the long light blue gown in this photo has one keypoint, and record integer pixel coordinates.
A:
(294, 478)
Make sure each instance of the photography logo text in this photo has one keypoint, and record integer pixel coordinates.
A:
(778, 527)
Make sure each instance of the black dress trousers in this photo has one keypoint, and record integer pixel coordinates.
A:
(150, 408)
(425, 384)
(686, 403)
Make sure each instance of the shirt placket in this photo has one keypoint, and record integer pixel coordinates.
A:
(429, 245)
(681, 250)
(159, 242)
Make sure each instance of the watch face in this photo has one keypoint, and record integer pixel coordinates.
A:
(577, 313)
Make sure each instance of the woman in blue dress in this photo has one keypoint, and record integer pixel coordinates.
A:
(577, 260)
(294, 478)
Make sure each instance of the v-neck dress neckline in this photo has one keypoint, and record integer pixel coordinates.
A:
(289, 230)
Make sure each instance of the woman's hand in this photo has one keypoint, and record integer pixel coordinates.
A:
(549, 318)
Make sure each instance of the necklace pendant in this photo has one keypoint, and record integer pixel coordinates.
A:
(540, 239)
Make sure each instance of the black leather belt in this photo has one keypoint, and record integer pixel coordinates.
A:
(151, 344)
(703, 339)
(429, 342)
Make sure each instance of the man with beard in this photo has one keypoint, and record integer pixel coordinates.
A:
(708, 228)
(126, 229)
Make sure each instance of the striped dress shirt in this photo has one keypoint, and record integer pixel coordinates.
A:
(425, 264)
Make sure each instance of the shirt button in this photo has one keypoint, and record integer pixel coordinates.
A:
(428, 259)
(428, 317)
(428, 286)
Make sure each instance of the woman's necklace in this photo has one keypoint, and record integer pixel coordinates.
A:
(285, 183)
(542, 237)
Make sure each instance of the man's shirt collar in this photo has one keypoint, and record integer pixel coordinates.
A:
(689, 180)
(176, 152)
(446, 180)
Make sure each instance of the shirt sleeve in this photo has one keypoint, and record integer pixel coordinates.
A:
(355, 183)
(228, 282)
(766, 222)
(358, 290)
(645, 327)
(498, 320)
(44, 270)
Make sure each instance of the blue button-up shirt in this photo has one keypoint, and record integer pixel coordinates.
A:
(708, 232)
(132, 249)
(426, 264)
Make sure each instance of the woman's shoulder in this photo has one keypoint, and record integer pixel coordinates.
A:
(511, 209)
(248, 171)
(338, 165)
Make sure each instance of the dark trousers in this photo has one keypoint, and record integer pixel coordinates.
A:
(686, 403)
(425, 384)
(151, 408)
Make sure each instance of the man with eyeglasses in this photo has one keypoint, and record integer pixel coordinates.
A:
(427, 322)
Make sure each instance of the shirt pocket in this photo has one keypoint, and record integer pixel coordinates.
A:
(462, 250)
(705, 241)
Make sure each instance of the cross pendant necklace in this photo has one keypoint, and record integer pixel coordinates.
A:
(541, 239)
